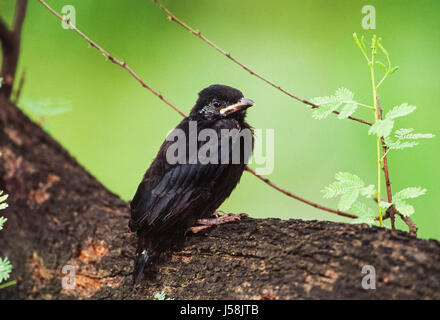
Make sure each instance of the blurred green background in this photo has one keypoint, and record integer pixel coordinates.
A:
(116, 127)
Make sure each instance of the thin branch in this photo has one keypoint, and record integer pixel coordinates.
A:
(392, 211)
(161, 97)
(20, 87)
(294, 196)
(172, 17)
(6, 35)
(385, 167)
(20, 12)
(10, 39)
(120, 63)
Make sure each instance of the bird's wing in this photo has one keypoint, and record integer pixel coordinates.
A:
(164, 193)
(174, 192)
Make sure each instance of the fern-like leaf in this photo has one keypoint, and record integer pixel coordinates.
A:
(382, 128)
(5, 269)
(347, 110)
(2, 222)
(400, 111)
(410, 193)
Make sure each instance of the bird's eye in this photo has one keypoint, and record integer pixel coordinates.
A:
(216, 104)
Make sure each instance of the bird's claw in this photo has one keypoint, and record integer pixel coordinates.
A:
(216, 220)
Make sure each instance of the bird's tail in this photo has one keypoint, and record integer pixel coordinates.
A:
(139, 266)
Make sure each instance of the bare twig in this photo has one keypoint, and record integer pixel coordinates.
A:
(172, 17)
(294, 196)
(5, 34)
(10, 40)
(161, 97)
(20, 87)
(120, 63)
(392, 211)
(385, 169)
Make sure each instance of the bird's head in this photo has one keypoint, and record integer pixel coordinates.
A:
(220, 101)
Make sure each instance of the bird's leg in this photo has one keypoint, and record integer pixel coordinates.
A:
(217, 219)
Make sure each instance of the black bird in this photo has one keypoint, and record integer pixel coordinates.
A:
(172, 197)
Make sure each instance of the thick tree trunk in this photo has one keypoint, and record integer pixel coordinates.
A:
(61, 215)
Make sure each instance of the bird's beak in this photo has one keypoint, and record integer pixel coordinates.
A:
(244, 103)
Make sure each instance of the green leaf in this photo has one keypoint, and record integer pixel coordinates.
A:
(44, 108)
(382, 128)
(404, 208)
(325, 110)
(159, 296)
(336, 189)
(403, 132)
(322, 101)
(345, 183)
(347, 199)
(365, 214)
(360, 43)
(369, 191)
(385, 205)
(401, 145)
(393, 70)
(400, 111)
(409, 193)
(349, 177)
(3, 197)
(382, 66)
(344, 95)
(384, 51)
(5, 269)
(406, 134)
(415, 136)
(347, 110)
(2, 222)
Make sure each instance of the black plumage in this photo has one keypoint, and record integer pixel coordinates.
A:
(173, 196)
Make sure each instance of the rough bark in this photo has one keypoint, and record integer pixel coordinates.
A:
(60, 215)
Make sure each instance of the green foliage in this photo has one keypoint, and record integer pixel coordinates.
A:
(161, 296)
(342, 100)
(44, 108)
(383, 128)
(2, 222)
(405, 138)
(365, 213)
(39, 110)
(3, 198)
(5, 264)
(5, 269)
(348, 186)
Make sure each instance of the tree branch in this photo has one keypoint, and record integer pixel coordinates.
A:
(124, 65)
(172, 17)
(10, 40)
(6, 35)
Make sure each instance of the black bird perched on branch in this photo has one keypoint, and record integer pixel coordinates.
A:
(192, 176)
